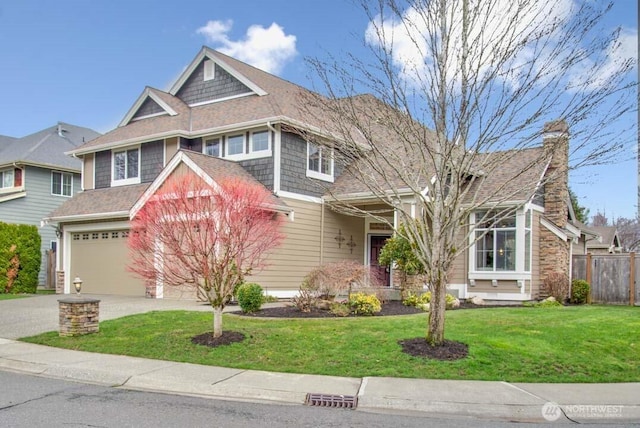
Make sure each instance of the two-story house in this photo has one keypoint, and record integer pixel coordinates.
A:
(222, 117)
(36, 177)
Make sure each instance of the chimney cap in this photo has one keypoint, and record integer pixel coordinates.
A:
(556, 126)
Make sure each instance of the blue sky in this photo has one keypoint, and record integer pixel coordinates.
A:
(86, 62)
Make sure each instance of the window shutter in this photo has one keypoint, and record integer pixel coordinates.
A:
(17, 177)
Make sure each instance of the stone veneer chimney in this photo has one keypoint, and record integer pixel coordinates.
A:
(555, 252)
(556, 144)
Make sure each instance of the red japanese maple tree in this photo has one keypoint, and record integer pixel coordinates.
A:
(208, 236)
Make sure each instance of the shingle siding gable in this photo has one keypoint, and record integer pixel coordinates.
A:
(197, 90)
(147, 108)
(103, 169)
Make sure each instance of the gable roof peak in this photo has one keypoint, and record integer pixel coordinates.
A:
(221, 60)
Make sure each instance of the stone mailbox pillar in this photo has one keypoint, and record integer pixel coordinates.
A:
(78, 316)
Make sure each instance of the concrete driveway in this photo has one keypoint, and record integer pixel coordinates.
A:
(38, 314)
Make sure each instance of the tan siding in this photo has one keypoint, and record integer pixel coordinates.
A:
(458, 273)
(170, 147)
(88, 175)
(535, 255)
(298, 254)
(351, 228)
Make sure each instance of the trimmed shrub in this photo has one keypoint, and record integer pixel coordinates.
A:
(250, 297)
(340, 309)
(549, 302)
(424, 301)
(19, 258)
(364, 304)
(579, 291)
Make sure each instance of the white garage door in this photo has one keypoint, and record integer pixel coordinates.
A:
(100, 258)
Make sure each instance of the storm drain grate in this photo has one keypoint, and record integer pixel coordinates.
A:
(328, 400)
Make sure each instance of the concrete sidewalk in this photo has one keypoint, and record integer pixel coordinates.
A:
(610, 403)
(590, 403)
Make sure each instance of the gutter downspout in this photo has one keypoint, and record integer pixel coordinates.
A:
(322, 232)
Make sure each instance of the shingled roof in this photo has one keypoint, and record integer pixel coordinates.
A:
(280, 101)
(46, 148)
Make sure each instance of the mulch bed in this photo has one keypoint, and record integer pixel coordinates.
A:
(227, 338)
(448, 351)
(393, 307)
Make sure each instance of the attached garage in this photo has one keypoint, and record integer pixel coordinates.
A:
(99, 258)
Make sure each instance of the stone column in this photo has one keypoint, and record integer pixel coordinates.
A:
(79, 316)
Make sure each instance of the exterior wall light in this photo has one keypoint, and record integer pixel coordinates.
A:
(77, 283)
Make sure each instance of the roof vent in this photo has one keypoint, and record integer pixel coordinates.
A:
(61, 130)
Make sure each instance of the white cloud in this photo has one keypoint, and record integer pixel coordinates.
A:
(266, 48)
(506, 37)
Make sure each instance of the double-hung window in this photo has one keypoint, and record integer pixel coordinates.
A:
(319, 162)
(61, 183)
(126, 166)
(495, 247)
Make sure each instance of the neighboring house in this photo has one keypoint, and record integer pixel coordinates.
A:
(598, 240)
(224, 117)
(36, 177)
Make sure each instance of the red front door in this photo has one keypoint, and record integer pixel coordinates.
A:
(383, 272)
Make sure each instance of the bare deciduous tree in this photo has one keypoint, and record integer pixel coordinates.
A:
(204, 236)
(460, 90)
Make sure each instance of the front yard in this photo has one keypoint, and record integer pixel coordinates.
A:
(568, 344)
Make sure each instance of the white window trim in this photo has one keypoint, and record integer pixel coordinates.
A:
(316, 174)
(226, 146)
(519, 272)
(62, 184)
(260, 131)
(8, 188)
(204, 146)
(125, 181)
(209, 70)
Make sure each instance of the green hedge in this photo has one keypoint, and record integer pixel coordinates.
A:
(20, 258)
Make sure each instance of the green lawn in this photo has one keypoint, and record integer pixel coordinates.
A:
(569, 344)
(4, 296)
(13, 296)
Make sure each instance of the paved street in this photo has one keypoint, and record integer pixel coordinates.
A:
(34, 402)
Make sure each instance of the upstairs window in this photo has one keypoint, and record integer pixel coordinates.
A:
(126, 167)
(259, 141)
(212, 147)
(319, 162)
(7, 179)
(61, 183)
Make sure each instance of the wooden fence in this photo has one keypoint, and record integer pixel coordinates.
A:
(612, 277)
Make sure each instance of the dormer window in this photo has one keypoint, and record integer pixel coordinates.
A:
(319, 162)
(126, 167)
(209, 70)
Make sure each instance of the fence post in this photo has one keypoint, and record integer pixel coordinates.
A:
(632, 278)
(589, 277)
